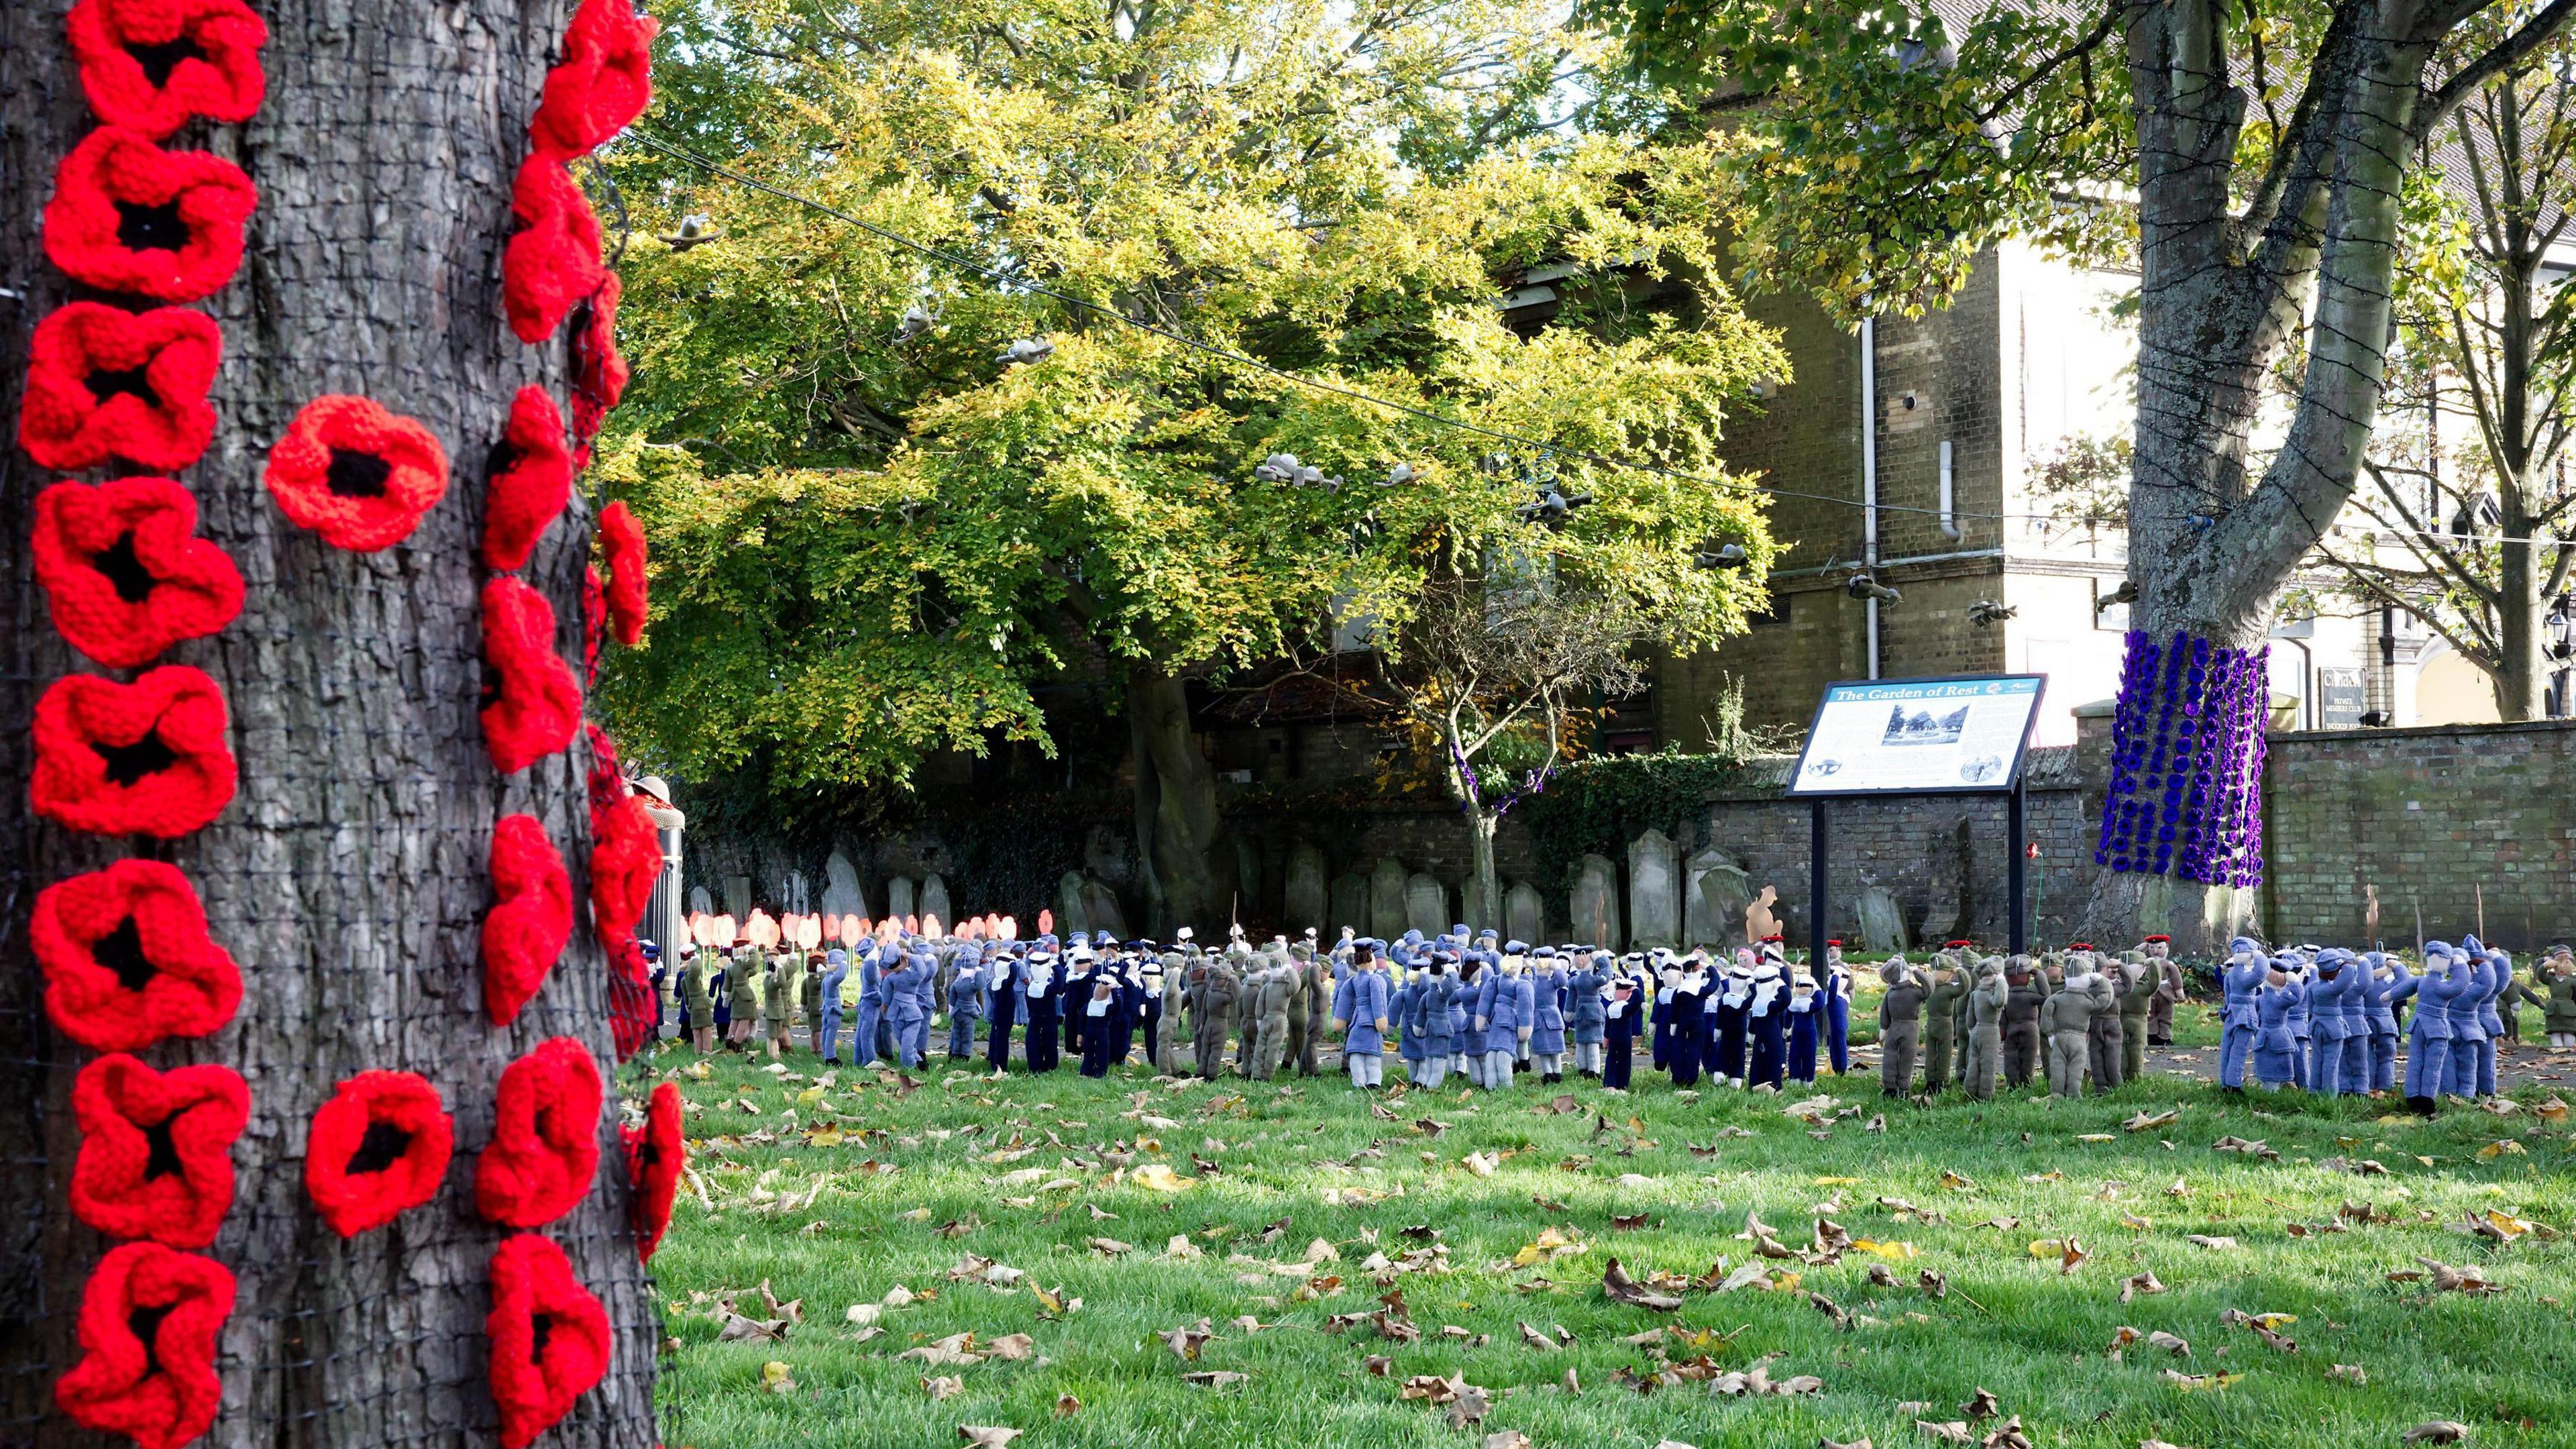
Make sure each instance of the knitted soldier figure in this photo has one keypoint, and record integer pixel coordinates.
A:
(925, 990)
(1005, 1002)
(2170, 989)
(1319, 1009)
(2139, 986)
(968, 1000)
(1585, 1020)
(1806, 1015)
(2382, 975)
(2239, 979)
(1619, 1021)
(2473, 1046)
(1498, 1017)
(2025, 991)
(2509, 1002)
(2336, 978)
(810, 998)
(2558, 973)
(2353, 1073)
(1836, 987)
(2065, 1018)
(1270, 1006)
(1766, 1020)
(1940, 1020)
(1043, 999)
(1434, 1023)
(2428, 1029)
(1986, 1000)
(1215, 989)
(1299, 1040)
(1098, 1008)
(827, 1018)
(1547, 982)
(902, 983)
(2276, 1050)
(1726, 1043)
(1900, 1025)
(2102, 1032)
(2302, 975)
(1696, 999)
(1360, 1007)
(786, 989)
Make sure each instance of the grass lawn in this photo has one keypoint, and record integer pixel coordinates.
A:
(1037, 1174)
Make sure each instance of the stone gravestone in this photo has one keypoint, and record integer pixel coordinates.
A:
(1595, 903)
(1474, 910)
(1100, 907)
(1714, 911)
(701, 903)
(1426, 904)
(1069, 916)
(899, 897)
(1882, 922)
(1304, 901)
(1524, 913)
(934, 900)
(841, 893)
(1350, 905)
(1386, 899)
(795, 897)
(1654, 891)
(737, 893)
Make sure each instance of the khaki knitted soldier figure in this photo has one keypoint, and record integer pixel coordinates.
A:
(1216, 990)
(2065, 1018)
(696, 979)
(813, 1000)
(1278, 988)
(1900, 1025)
(1247, 1014)
(2102, 1031)
(1167, 1040)
(1985, 1038)
(2171, 989)
(1319, 1009)
(744, 981)
(2137, 1000)
(786, 988)
(2024, 992)
(1940, 1020)
(1300, 1000)
(2558, 973)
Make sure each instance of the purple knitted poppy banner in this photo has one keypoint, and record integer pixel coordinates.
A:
(2186, 793)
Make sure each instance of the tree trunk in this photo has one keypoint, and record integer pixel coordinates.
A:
(1483, 906)
(348, 874)
(2521, 675)
(1183, 786)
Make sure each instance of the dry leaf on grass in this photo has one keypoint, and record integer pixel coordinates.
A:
(1011, 1346)
(1216, 1379)
(1508, 1439)
(1066, 1406)
(1620, 1288)
(2436, 1431)
(1185, 1343)
(774, 1378)
(2350, 1373)
(987, 1436)
(1953, 1431)
(944, 1387)
(2137, 1283)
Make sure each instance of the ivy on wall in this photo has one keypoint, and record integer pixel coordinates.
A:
(1597, 806)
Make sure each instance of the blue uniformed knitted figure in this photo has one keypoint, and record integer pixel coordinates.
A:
(1619, 1018)
(1807, 1008)
(2275, 1049)
(2239, 979)
(1584, 1019)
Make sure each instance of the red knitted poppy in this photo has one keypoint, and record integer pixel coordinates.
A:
(152, 64)
(599, 370)
(106, 383)
(128, 216)
(378, 1148)
(655, 1154)
(531, 703)
(156, 1149)
(530, 920)
(127, 960)
(146, 758)
(621, 539)
(625, 860)
(124, 570)
(545, 1137)
(603, 83)
(530, 477)
(149, 1318)
(549, 1337)
(552, 264)
(359, 476)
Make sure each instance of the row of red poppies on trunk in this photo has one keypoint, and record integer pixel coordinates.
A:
(126, 952)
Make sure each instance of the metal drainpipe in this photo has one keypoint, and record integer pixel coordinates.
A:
(1869, 473)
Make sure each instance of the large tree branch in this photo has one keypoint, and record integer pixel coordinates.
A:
(2536, 32)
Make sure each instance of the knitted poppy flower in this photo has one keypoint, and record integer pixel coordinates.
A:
(149, 1318)
(625, 860)
(152, 64)
(530, 920)
(146, 758)
(603, 83)
(630, 993)
(655, 1153)
(378, 1148)
(621, 539)
(127, 960)
(531, 703)
(124, 572)
(545, 1136)
(552, 264)
(549, 1337)
(599, 370)
(106, 383)
(359, 476)
(530, 477)
(156, 1152)
(128, 216)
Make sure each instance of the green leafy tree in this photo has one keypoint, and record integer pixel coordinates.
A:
(2251, 156)
(894, 497)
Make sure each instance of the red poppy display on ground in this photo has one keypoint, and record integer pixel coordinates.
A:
(378, 1148)
(127, 959)
(530, 920)
(156, 1152)
(550, 1340)
(603, 83)
(124, 572)
(621, 539)
(151, 65)
(599, 370)
(552, 265)
(128, 216)
(149, 1319)
(106, 383)
(146, 758)
(356, 474)
(531, 477)
(545, 1136)
(531, 702)
(655, 1154)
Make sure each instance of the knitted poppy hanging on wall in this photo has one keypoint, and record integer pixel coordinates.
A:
(378, 1148)
(545, 1137)
(124, 572)
(128, 216)
(549, 1337)
(356, 474)
(621, 540)
(531, 703)
(150, 65)
(603, 83)
(127, 959)
(531, 917)
(531, 477)
(106, 383)
(552, 264)
(599, 370)
(146, 758)
(655, 1154)
(149, 1320)
(156, 1152)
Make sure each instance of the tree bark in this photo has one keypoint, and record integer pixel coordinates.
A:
(348, 875)
(1482, 907)
(1183, 799)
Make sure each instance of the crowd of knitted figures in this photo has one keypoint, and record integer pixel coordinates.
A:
(2328, 1020)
